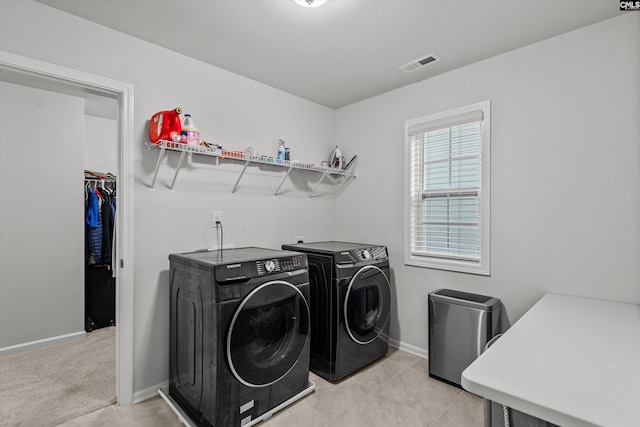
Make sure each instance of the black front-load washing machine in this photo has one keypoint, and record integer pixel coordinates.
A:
(239, 334)
(350, 303)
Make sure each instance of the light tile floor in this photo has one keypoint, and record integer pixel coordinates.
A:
(394, 391)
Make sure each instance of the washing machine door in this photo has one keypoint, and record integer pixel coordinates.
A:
(367, 304)
(268, 333)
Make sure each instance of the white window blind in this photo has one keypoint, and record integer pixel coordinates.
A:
(445, 190)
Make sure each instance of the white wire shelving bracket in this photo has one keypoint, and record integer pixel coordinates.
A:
(331, 174)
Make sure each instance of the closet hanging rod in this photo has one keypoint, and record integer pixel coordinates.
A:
(88, 178)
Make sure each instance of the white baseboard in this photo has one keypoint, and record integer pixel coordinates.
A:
(409, 348)
(148, 393)
(5, 351)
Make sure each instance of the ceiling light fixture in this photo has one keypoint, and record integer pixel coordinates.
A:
(310, 3)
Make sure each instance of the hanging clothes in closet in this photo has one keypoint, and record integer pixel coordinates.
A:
(100, 208)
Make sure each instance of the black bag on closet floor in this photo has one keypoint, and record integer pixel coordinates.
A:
(99, 297)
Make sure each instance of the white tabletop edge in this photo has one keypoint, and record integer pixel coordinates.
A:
(572, 361)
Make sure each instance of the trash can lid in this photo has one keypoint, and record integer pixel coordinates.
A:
(451, 296)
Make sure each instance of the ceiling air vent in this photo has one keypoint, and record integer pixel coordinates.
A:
(419, 63)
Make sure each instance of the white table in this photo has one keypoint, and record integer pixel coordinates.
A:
(570, 361)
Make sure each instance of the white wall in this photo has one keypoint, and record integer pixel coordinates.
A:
(228, 109)
(101, 144)
(41, 215)
(567, 103)
(565, 172)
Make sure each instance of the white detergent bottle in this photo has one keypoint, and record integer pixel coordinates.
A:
(190, 133)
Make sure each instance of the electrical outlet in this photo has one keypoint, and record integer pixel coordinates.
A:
(216, 217)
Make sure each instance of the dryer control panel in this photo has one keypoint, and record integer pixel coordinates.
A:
(374, 253)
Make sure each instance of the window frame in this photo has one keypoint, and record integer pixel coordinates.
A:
(481, 266)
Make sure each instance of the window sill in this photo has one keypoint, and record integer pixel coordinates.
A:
(458, 266)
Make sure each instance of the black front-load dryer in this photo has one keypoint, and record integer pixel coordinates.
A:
(239, 333)
(350, 303)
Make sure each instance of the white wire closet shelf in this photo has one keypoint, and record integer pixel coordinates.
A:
(327, 173)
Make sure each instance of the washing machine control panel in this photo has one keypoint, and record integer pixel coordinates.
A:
(270, 266)
(241, 271)
(278, 265)
(293, 263)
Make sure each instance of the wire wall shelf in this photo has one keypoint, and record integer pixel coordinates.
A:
(327, 173)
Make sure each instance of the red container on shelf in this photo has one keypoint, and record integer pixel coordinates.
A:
(165, 125)
(238, 155)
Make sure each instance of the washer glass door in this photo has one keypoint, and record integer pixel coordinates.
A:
(367, 304)
(268, 333)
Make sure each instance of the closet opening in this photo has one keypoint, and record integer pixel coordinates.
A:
(100, 207)
(95, 90)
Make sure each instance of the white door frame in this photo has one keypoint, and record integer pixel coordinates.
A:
(123, 265)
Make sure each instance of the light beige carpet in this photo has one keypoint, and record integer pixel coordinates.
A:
(54, 384)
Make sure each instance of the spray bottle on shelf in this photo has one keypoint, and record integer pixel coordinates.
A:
(281, 150)
(190, 133)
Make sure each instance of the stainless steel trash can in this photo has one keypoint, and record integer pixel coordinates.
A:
(460, 325)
